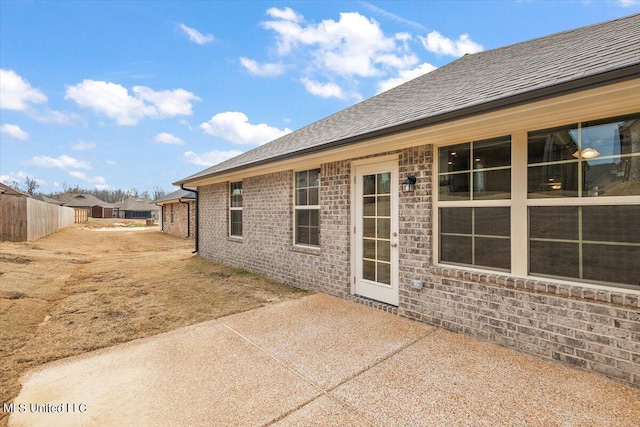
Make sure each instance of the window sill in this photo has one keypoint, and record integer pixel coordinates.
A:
(582, 291)
(309, 250)
(234, 239)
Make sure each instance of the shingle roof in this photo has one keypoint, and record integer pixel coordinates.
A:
(136, 204)
(81, 200)
(176, 195)
(5, 189)
(490, 79)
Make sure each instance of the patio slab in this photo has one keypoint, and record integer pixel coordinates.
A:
(201, 375)
(326, 339)
(319, 361)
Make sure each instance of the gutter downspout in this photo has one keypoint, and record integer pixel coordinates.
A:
(188, 218)
(197, 240)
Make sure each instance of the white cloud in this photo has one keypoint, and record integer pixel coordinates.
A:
(405, 76)
(83, 146)
(286, 14)
(263, 70)
(210, 158)
(167, 138)
(441, 45)
(324, 90)
(628, 3)
(62, 162)
(114, 101)
(352, 46)
(16, 93)
(14, 131)
(111, 162)
(99, 181)
(234, 126)
(196, 36)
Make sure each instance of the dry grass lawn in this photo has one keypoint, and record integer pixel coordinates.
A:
(89, 286)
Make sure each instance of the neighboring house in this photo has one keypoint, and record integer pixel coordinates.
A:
(177, 213)
(6, 190)
(48, 200)
(95, 207)
(497, 196)
(136, 208)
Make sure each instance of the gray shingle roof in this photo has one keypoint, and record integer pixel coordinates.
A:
(176, 195)
(81, 200)
(489, 79)
(136, 204)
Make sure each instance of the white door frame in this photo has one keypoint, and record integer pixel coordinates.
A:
(377, 291)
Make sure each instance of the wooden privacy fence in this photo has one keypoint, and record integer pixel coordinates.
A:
(23, 218)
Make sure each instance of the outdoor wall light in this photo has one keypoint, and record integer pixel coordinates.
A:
(409, 184)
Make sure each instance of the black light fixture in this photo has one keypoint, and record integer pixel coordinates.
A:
(409, 184)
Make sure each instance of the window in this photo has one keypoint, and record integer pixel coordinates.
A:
(171, 215)
(561, 203)
(584, 209)
(307, 208)
(235, 209)
(474, 215)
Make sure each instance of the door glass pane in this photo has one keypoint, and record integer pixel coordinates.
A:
(369, 248)
(369, 270)
(369, 227)
(383, 183)
(369, 184)
(384, 206)
(384, 228)
(369, 206)
(376, 222)
(384, 250)
(384, 273)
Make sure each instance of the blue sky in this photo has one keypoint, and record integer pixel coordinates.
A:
(138, 94)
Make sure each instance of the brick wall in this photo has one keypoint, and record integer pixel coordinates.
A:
(576, 325)
(175, 220)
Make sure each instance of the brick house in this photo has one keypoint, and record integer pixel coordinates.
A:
(177, 213)
(497, 196)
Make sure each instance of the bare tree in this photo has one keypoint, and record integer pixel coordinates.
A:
(30, 186)
(158, 193)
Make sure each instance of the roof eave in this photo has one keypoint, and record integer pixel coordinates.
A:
(588, 82)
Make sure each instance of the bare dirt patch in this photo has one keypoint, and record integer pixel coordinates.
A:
(83, 289)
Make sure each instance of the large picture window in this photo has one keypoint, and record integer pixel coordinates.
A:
(235, 209)
(584, 209)
(560, 203)
(307, 208)
(474, 191)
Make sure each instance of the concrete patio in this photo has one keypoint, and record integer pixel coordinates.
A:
(320, 361)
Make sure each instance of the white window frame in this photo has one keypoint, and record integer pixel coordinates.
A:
(232, 209)
(519, 204)
(297, 207)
